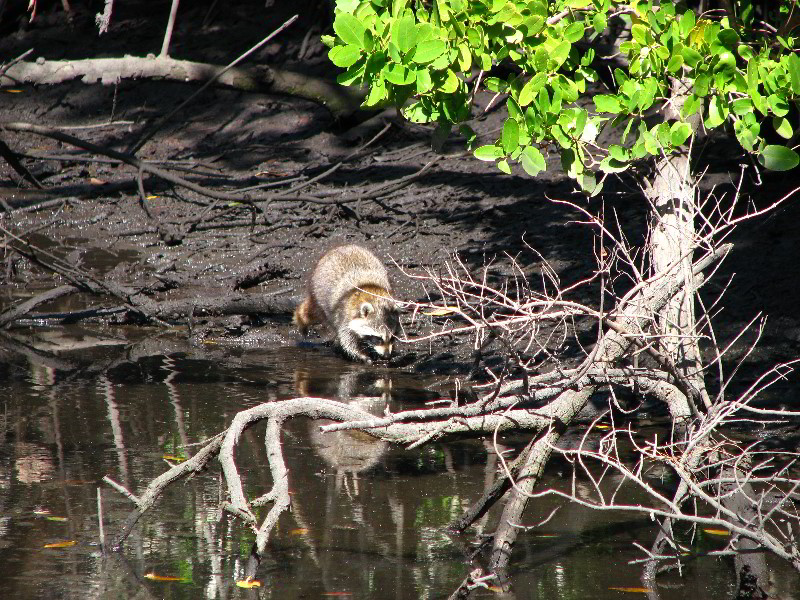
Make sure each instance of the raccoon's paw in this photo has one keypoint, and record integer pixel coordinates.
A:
(353, 347)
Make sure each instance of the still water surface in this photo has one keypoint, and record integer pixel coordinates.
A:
(367, 520)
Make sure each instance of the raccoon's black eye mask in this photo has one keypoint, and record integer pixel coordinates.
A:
(371, 340)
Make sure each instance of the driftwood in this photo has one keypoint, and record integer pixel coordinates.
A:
(109, 71)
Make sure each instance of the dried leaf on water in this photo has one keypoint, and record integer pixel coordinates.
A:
(65, 544)
(173, 458)
(154, 577)
(300, 531)
(717, 531)
(248, 583)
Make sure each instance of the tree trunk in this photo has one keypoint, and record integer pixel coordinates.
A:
(674, 206)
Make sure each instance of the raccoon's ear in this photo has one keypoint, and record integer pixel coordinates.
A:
(366, 309)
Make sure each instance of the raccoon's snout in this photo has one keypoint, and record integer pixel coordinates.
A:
(382, 346)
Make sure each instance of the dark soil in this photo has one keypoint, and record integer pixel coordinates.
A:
(189, 246)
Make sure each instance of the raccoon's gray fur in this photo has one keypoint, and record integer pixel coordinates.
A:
(349, 293)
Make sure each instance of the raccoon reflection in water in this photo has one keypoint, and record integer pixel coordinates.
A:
(347, 453)
(349, 295)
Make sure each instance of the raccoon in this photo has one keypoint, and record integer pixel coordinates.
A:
(349, 293)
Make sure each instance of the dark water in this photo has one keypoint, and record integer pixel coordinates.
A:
(367, 520)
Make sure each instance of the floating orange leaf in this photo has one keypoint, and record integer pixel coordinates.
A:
(97, 181)
(635, 590)
(300, 531)
(248, 583)
(717, 531)
(13, 91)
(173, 458)
(151, 197)
(154, 577)
(66, 544)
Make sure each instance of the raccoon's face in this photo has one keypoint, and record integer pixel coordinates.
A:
(375, 327)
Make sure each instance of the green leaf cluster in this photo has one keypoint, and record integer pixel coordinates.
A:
(423, 56)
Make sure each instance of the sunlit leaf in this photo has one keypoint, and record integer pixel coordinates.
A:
(510, 137)
(399, 74)
(299, 531)
(424, 81)
(717, 531)
(344, 56)
(675, 63)
(59, 519)
(607, 103)
(429, 50)
(404, 33)
(65, 544)
(532, 161)
(574, 32)
(495, 84)
(783, 127)
(531, 88)
(560, 53)
(488, 153)
(248, 583)
(778, 158)
(679, 133)
(350, 29)
(794, 72)
(612, 165)
(779, 105)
